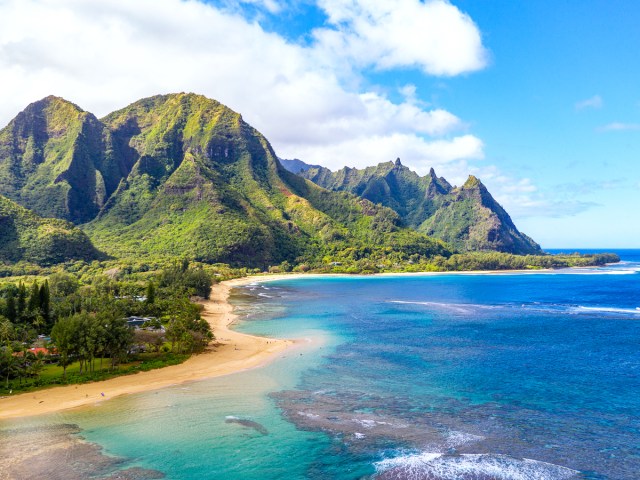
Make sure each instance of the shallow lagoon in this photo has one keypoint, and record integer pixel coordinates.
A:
(529, 376)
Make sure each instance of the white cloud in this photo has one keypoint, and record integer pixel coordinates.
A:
(105, 54)
(593, 102)
(619, 127)
(434, 35)
(446, 156)
(271, 6)
(522, 199)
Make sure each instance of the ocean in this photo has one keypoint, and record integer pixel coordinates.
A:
(474, 377)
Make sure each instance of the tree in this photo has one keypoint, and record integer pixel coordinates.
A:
(39, 322)
(22, 299)
(63, 335)
(34, 298)
(8, 364)
(118, 338)
(45, 301)
(12, 309)
(62, 284)
(151, 338)
(186, 330)
(7, 331)
(151, 294)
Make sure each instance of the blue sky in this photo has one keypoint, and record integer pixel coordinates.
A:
(540, 99)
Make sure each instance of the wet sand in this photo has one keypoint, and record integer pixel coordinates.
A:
(231, 352)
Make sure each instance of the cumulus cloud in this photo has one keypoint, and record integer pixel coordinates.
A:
(434, 36)
(523, 199)
(593, 102)
(105, 54)
(619, 127)
(362, 151)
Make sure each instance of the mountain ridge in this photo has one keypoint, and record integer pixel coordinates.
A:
(57, 160)
(183, 175)
(468, 217)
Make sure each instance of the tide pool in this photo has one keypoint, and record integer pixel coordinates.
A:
(508, 376)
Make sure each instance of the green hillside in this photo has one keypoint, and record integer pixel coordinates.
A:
(58, 161)
(467, 217)
(472, 220)
(206, 185)
(44, 241)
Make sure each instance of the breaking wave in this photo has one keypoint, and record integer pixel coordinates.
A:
(466, 308)
(436, 466)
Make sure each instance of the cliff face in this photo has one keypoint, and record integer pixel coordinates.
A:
(58, 160)
(471, 219)
(183, 175)
(467, 217)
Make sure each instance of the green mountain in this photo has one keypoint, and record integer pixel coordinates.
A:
(296, 166)
(59, 161)
(45, 241)
(467, 217)
(472, 220)
(206, 185)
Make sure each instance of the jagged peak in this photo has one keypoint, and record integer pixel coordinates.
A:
(55, 101)
(172, 102)
(188, 97)
(398, 163)
(51, 113)
(472, 182)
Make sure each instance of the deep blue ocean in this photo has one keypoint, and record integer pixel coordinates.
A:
(472, 377)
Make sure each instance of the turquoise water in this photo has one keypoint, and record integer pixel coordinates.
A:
(516, 376)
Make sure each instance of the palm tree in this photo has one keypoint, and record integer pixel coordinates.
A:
(6, 330)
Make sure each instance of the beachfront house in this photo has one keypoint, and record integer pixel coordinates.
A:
(145, 323)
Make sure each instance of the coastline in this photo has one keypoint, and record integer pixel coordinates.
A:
(232, 352)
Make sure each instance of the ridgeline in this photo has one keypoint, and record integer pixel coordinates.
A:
(467, 217)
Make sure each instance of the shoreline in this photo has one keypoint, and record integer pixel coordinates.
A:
(272, 277)
(232, 352)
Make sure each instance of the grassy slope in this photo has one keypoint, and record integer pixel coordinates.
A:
(206, 185)
(468, 217)
(44, 241)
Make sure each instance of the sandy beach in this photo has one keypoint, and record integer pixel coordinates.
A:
(230, 353)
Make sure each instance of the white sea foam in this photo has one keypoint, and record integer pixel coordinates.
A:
(632, 311)
(455, 307)
(457, 439)
(419, 465)
(364, 422)
(560, 308)
(601, 271)
(308, 415)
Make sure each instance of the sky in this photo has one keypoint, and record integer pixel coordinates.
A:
(540, 100)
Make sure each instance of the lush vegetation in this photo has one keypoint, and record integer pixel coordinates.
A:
(82, 326)
(59, 161)
(207, 186)
(473, 221)
(467, 217)
(183, 175)
(457, 263)
(42, 241)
